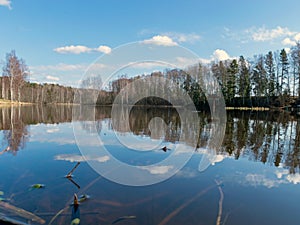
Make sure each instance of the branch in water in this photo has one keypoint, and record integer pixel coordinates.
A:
(69, 175)
(218, 222)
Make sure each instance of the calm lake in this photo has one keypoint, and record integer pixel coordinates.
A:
(254, 177)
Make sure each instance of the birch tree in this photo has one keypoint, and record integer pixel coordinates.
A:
(17, 71)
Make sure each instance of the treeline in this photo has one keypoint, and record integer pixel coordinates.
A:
(267, 80)
(37, 93)
(270, 80)
(14, 86)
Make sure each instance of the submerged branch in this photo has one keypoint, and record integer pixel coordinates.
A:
(218, 222)
(21, 212)
(184, 205)
(69, 175)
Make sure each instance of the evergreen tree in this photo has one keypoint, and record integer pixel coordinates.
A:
(232, 72)
(259, 79)
(295, 54)
(284, 81)
(270, 69)
(244, 87)
(220, 72)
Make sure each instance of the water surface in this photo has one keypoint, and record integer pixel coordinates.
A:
(257, 168)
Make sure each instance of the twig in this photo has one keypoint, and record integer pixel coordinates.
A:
(218, 222)
(228, 214)
(20, 212)
(67, 206)
(57, 214)
(73, 182)
(69, 175)
(123, 218)
(226, 218)
(5, 150)
(6, 220)
(180, 208)
(66, 214)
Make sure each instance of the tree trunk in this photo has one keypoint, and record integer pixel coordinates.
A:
(3, 88)
(11, 89)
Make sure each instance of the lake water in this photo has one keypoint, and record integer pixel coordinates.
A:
(254, 177)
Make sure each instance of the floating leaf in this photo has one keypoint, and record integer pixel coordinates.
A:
(37, 186)
(123, 218)
(76, 221)
(1, 193)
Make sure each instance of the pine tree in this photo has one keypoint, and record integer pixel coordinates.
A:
(284, 81)
(232, 72)
(244, 87)
(259, 79)
(270, 69)
(296, 69)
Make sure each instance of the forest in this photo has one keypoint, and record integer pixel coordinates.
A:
(271, 80)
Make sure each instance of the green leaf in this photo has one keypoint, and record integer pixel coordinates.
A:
(38, 186)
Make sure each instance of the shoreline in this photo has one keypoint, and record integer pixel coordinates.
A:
(7, 103)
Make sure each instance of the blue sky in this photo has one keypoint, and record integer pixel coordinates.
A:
(59, 39)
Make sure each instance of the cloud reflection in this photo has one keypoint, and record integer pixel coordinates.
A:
(158, 169)
(282, 176)
(80, 158)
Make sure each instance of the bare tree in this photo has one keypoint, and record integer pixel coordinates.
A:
(17, 71)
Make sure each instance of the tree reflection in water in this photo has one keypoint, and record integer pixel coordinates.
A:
(15, 121)
(271, 138)
(15, 131)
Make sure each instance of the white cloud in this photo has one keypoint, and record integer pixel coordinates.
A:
(51, 131)
(291, 41)
(282, 177)
(160, 40)
(262, 180)
(78, 49)
(157, 169)
(147, 65)
(80, 158)
(63, 67)
(293, 178)
(74, 49)
(104, 49)
(288, 41)
(280, 173)
(217, 158)
(264, 34)
(52, 78)
(279, 34)
(287, 50)
(297, 37)
(287, 36)
(6, 3)
(182, 37)
(67, 67)
(187, 173)
(220, 55)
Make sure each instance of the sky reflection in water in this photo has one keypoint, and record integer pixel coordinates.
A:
(254, 192)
